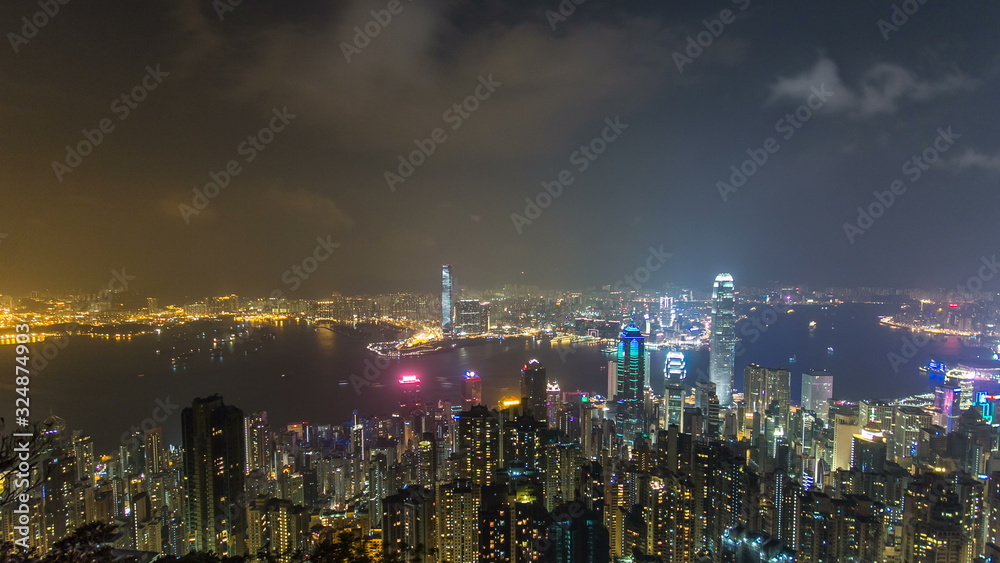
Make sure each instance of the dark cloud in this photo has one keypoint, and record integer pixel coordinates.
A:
(323, 175)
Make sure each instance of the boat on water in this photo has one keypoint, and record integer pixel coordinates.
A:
(829, 350)
(793, 359)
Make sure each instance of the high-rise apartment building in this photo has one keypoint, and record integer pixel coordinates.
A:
(214, 461)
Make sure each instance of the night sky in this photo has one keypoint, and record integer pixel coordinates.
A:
(211, 82)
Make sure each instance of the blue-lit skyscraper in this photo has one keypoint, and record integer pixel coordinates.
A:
(723, 338)
(630, 384)
(447, 300)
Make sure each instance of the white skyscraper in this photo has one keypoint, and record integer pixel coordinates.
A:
(817, 389)
(723, 338)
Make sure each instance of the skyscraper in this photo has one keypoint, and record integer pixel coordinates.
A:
(478, 445)
(410, 400)
(214, 459)
(472, 317)
(767, 388)
(447, 300)
(817, 389)
(533, 390)
(630, 370)
(257, 433)
(673, 388)
(472, 389)
(723, 338)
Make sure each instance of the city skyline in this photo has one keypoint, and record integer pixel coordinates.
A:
(395, 281)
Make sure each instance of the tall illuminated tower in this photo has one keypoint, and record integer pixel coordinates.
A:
(533, 390)
(673, 388)
(447, 300)
(630, 369)
(723, 338)
(411, 399)
(817, 390)
(472, 389)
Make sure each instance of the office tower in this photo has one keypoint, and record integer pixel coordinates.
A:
(875, 413)
(817, 390)
(458, 522)
(675, 371)
(478, 445)
(553, 403)
(972, 442)
(447, 300)
(845, 426)
(768, 390)
(472, 389)
(214, 458)
(533, 386)
(612, 379)
(868, 451)
(947, 406)
(472, 317)
(411, 399)
(723, 343)
(907, 423)
(630, 371)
